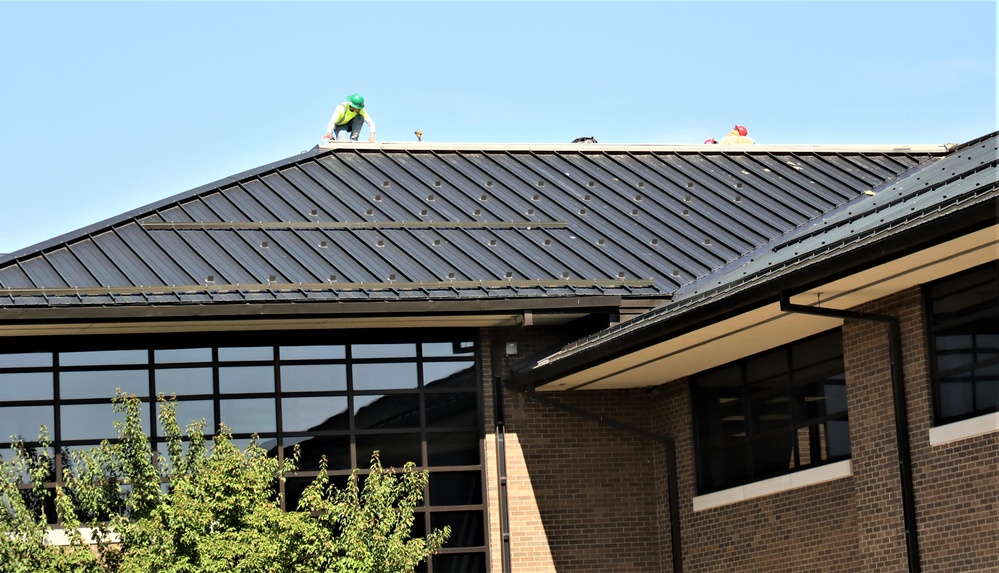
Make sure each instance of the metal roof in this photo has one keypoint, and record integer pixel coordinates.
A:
(404, 222)
(963, 179)
(955, 195)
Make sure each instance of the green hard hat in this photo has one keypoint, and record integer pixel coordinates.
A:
(356, 100)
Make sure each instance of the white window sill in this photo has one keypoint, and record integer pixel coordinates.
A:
(771, 486)
(964, 429)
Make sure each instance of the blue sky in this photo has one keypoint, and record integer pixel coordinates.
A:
(109, 106)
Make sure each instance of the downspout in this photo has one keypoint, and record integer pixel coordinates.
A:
(501, 473)
(901, 413)
(669, 447)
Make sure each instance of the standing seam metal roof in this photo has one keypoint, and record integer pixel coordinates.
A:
(384, 222)
(964, 181)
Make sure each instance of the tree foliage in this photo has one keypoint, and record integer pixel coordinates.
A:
(203, 508)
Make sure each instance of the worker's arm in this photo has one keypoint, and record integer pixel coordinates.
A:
(371, 125)
(337, 114)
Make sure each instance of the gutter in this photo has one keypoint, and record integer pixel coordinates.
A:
(901, 413)
(299, 309)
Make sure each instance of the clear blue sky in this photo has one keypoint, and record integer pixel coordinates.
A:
(109, 106)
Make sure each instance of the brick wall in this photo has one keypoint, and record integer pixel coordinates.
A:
(582, 495)
(956, 484)
(809, 529)
(878, 498)
(587, 497)
(957, 504)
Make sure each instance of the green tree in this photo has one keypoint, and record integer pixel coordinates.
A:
(202, 509)
(367, 530)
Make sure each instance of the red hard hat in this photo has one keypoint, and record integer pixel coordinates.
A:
(742, 130)
(710, 140)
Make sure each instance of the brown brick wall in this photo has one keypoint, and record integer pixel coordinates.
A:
(587, 497)
(809, 529)
(956, 484)
(957, 503)
(878, 498)
(582, 495)
(594, 486)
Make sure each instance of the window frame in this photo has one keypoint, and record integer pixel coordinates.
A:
(441, 448)
(786, 380)
(936, 324)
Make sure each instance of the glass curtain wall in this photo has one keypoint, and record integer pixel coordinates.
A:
(339, 395)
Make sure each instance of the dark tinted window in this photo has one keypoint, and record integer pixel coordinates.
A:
(771, 414)
(963, 314)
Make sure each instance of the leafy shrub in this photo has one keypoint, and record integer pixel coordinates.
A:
(202, 510)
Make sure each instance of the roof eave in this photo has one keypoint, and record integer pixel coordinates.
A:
(631, 337)
(14, 320)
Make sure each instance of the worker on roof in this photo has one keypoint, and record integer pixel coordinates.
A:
(738, 136)
(350, 116)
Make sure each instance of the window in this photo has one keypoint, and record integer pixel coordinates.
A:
(410, 396)
(963, 317)
(771, 414)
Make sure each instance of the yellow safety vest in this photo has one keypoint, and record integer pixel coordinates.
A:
(344, 115)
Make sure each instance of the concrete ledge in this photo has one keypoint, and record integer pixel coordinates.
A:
(59, 537)
(964, 429)
(771, 486)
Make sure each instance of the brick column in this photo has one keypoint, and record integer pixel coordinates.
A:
(877, 480)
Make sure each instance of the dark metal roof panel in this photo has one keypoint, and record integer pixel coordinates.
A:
(230, 259)
(873, 169)
(663, 230)
(41, 272)
(788, 194)
(275, 196)
(306, 251)
(711, 205)
(961, 187)
(13, 276)
(909, 199)
(225, 205)
(622, 218)
(597, 214)
(98, 264)
(125, 260)
(356, 222)
(69, 268)
(173, 262)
